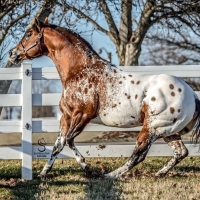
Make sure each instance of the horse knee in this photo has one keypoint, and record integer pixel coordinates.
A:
(59, 145)
(182, 154)
(70, 142)
(141, 145)
(185, 153)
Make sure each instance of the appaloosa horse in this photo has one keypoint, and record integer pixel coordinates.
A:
(92, 87)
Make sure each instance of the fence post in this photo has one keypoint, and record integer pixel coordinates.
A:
(26, 121)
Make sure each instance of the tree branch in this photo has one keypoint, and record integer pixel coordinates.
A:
(97, 26)
(13, 22)
(44, 11)
(125, 30)
(114, 33)
(133, 48)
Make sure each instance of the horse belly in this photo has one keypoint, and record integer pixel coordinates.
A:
(121, 115)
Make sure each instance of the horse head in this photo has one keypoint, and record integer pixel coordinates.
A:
(32, 44)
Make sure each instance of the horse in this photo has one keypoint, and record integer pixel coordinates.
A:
(93, 88)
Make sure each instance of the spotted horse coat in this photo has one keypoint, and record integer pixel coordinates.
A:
(94, 89)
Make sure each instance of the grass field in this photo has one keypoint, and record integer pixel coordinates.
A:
(68, 181)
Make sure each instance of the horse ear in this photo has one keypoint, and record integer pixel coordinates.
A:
(37, 25)
(46, 21)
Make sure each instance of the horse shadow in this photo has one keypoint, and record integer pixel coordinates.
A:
(91, 187)
(70, 179)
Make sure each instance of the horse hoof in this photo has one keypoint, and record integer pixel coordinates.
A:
(159, 175)
(41, 176)
(109, 177)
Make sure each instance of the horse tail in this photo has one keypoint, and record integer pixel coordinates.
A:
(196, 129)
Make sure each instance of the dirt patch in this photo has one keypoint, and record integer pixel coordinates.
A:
(95, 172)
(102, 146)
(114, 137)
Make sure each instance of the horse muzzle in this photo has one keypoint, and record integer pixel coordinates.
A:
(14, 56)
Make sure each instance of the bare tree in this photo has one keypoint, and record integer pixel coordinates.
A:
(15, 17)
(128, 22)
(3, 48)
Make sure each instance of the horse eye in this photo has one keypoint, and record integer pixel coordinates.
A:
(27, 35)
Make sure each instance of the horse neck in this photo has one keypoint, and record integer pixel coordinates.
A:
(68, 56)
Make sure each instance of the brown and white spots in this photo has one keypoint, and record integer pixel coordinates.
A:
(179, 89)
(86, 90)
(173, 94)
(90, 85)
(138, 83)
(153, 98)
(179, 110)
(115, 105)
(93, 79)
(128, 97)
(115, 71)
(172, 110)
(120, 82)
(79, 89)
(132, 82)
(136, 96)
(130, 75)
(171, 86)
(124, 77)
(119, 103)
(104, 115)
(174, 120)
(133, 117)
(125, 94)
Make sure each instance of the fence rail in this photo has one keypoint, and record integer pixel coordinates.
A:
(26, 152)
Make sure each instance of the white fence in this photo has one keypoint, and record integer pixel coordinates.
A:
(26, 152)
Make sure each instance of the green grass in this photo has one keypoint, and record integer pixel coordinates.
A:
(68, 181)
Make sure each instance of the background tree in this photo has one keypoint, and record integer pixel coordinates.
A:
(143, 31)
(129, 22)
(15, 16)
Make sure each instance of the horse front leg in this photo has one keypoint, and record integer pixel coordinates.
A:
(143, 143)
(78, 123)
(58, 146)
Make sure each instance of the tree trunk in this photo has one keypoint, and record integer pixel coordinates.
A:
(125, 29)
(133, 47)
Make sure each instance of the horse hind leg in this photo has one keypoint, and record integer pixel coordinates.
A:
(180, 152)
(143, 143)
